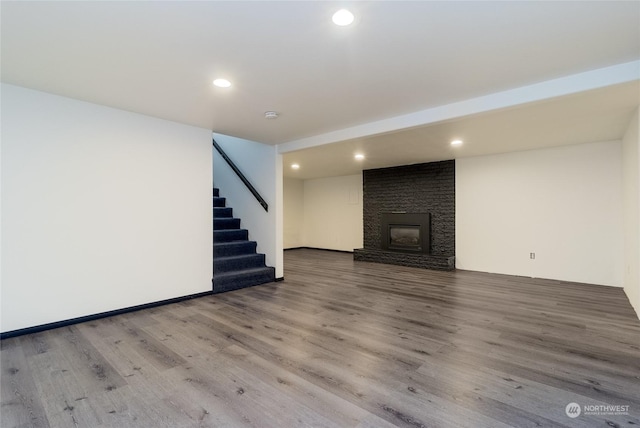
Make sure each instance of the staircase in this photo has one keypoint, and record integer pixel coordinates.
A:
(235, 261)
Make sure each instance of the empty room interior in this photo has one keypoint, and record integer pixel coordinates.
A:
(320, 214)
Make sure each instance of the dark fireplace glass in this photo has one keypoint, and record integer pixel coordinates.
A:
(404, 237)
(405, 232)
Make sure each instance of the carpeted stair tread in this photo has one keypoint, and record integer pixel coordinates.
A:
(222, 212)
(216, 191)
(219, 202)
(230, 235)
(238, 263)
(226, 223)
(234, 248)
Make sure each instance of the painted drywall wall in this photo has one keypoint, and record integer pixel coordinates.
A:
(262, 166)
(333, 213)
(102, 209)
(293, 212)
(631, 204)
(563, 204)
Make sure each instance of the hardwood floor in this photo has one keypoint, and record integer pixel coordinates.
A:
(341, 344)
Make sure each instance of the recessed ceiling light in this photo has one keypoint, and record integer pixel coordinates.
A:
(295, 166)
(271, 115)
(342, 17)
(222, 83)
(358, 156)
(456, 143)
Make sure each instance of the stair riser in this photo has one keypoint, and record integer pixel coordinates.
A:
(230, 235)
(224, 249)
(242, 280)
(216, 192)
(219, 202)
(226, 223)
(236, 264)
(220, 212)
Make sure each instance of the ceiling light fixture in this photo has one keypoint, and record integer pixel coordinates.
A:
(222, 83)
(358, 156)
(271, 115)
(456, 143)
(342, 17)
(295, 166)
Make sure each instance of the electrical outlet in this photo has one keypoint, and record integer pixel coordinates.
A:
(532, 256)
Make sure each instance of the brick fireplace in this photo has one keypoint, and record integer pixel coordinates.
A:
(415, 203)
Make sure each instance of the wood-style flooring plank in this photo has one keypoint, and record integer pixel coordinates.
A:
(21, 401)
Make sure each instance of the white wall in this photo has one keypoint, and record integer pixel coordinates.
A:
(333, 213)
(262, 166)
(102, 209)
(631, 194)
(293, 212)
(564, 204)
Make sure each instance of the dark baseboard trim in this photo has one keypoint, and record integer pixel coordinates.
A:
(279, 279)
(65, 323)
(321, 249)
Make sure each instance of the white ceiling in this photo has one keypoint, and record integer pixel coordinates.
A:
(592, 116)
(159, 58)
